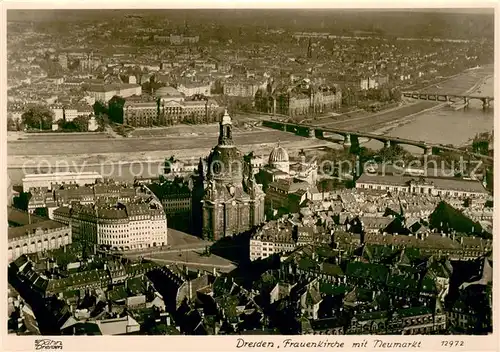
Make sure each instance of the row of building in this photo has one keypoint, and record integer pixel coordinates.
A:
(300, 98)
(120, 227)
(82, 207)
(170, 107)
(423, 185)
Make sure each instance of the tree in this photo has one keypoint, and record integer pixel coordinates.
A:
(393, 153)
(115, 109)
(99, 108)
(11, 124)
(385, 94)
(81, 123)
(38, 117)
(396, 94)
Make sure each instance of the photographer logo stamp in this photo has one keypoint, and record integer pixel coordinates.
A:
(48, 344)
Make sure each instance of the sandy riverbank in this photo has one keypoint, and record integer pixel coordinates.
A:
(87, 160)
(408, 119)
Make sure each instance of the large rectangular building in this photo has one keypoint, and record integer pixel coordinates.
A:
(436, 186)
(104, 92)
(140, 113)
(36, 237)
(176, 198)
(170, 112)
(242, 88)
(59, 178)
(194, 88)
(120, 227)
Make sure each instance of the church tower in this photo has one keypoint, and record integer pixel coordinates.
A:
(229, 197)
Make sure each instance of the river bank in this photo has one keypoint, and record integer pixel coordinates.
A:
(446, 125)
(410, 118)
(124, 166)
(123, 158)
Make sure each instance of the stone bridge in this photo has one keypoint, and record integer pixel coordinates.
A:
(312, 131)
(444, 97)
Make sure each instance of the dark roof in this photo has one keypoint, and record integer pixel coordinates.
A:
(328, 323)
(169, 188)
(331, 289)
(20, 218)
(20, 261)
(331, 269)
(16, 232)
(447, 218)
(413, 311)
(375, 272)
(372, 316)
(403, 282)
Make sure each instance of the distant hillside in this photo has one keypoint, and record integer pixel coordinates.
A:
(449, 23)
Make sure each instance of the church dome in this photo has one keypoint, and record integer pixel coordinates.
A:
(167, 92)
(278, 155)
(225, 163)
(278, 159)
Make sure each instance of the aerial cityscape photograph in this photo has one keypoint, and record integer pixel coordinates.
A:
(250, 171)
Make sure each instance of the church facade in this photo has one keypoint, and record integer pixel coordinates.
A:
(233, 201)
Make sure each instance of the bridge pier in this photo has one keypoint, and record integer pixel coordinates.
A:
(486, 103)
(312, 133)
(347, 140)
(387, 144)
(466, 101)
(427, 150)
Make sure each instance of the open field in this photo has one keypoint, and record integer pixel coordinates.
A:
(124, 158)
(461, 83)
(67, 146)
(175, 130)
(179, 239)
(177, 242)
(186, 131)
(48, 137)
(372, 122)
(194, 260)
(124, 166)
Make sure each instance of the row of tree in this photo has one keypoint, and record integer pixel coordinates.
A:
(41, 118)
(353, 97)
(38, 117)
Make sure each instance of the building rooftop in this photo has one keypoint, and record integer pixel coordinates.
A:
(31, 229)
(165, 92)
(452, 184)
(18, 217)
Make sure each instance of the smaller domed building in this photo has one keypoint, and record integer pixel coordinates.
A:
(279, 160)
(280, 167)
(166, 94)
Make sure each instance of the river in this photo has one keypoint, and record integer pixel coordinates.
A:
(445, 125)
